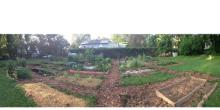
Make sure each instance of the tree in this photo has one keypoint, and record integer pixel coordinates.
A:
(215, 43)
(192, 44)
(11, 45)
(164, 43)
(118, 39)
(79, 38)
(3, 45)
(136, 40)
(152, 41)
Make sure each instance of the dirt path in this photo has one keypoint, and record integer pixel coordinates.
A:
(109, 91)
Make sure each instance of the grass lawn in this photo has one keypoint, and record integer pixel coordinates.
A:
(214, 99)
(139, 80)
(204, 64)
(11, 95)
(196, 63)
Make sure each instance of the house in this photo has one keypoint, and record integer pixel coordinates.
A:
(100, 43)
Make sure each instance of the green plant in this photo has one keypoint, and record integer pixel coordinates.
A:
(78, 67)
(22, 62)
(103, 64)
(77, 75)
(23, 73)
(164, 44)
(135, 62)
(139, 80)
(191, 45)
(166, 62)
(11, 94)
(11, 66)
(89, 54)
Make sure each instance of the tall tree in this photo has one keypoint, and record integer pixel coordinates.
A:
(164, 43)
(3, 45)
(136, 40)
(118, 38)
(79, 38)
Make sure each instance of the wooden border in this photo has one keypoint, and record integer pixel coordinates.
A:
(184, 98)
(205, 97)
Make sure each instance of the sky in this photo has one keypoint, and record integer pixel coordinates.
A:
(69, 37)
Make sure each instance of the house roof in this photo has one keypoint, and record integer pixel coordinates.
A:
(96, 41)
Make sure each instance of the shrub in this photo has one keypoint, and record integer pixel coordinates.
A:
(70, 58)
(23, 73)
(103, 64)
(22, 62)
(118, 52)
(191, 45)
(135, 62)
(78, 67)
(11, 66)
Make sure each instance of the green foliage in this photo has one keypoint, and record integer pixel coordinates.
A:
(203, 64)
(118, 52)
(139, 80)
(191, 45)
(11, 67)
(200, 63)
(11, 94)
(102, 64)
(165, 62)
(22, 62)
(89, 54)
(152, 41)
(78, 67)
(118, 38)
(135, 63)
(213, 100)
(23, 73)
(165, 44)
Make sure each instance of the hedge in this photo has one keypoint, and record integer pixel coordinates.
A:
(118, 52)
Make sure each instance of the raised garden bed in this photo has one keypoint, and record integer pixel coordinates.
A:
(178, 93)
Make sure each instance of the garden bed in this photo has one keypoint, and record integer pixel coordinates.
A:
(46, 96)
(71, 71)
(139, 71)
(44, 71)
(178, 93)
(81, 81)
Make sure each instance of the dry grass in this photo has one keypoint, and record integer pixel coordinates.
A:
(87, 82)
(46, 96)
